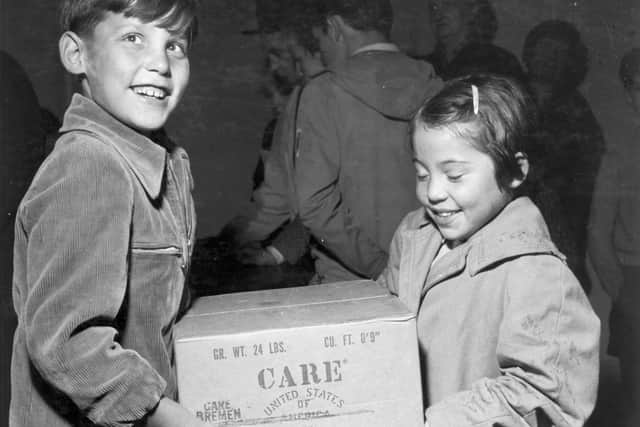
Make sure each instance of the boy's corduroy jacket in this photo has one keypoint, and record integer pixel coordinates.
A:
(506, 333)
(103, 241)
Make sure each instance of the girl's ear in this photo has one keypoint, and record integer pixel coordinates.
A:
(71, 48)
(523, 164)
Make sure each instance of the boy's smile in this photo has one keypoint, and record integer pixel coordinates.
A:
(456, 183)
(136, 71)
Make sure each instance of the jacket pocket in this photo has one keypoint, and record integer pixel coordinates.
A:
(159, 249)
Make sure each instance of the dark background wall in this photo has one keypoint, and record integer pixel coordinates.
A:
(223, 113)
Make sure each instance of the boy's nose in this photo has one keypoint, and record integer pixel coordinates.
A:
(157, 60)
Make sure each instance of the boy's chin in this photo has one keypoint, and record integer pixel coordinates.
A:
(145, 128)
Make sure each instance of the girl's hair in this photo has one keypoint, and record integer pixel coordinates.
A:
(176, 16)
(629, 67)
(498, 123)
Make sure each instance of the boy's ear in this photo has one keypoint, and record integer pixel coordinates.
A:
(523, 164)
(71, 49)
(334, 27)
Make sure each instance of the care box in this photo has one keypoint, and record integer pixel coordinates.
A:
(340, 354)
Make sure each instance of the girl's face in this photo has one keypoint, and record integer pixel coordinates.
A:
(455, 183)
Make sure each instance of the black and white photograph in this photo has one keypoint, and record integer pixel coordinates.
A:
(320, 213)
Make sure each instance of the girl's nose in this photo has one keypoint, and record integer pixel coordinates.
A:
(436, 191)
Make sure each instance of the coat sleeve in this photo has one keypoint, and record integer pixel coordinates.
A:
(271, 204)
(389, 276)
(317, 172)
(76, 222)
(548, 356)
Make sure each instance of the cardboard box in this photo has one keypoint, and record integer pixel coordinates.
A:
(341, 354)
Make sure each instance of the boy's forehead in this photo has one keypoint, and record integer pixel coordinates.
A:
(115, 21)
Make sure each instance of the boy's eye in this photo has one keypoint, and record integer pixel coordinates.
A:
(178, 48)
(133, 38)
(454, 177)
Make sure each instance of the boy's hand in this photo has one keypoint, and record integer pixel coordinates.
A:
(170, 414)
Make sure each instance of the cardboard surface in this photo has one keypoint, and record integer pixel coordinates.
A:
(342, 354)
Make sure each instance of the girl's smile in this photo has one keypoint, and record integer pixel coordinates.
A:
(456, 183)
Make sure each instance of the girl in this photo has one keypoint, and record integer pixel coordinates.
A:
(507, 336)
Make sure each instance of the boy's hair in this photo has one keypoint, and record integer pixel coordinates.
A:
(577, 54)
(362, 15)
(629, 67)
(176, 16)
(500, 128)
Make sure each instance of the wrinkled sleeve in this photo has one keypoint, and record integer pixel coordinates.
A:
(548, 356)
(320, 203)
(77, 222)
(271, 205)
(292, 241)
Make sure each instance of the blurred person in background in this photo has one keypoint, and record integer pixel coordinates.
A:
(567, 145)
(269, 232)
(352, 162)
(614, 241)
(464, 31)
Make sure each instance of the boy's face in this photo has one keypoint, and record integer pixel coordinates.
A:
(136, 71)
(455, 183)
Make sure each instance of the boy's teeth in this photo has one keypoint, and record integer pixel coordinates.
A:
(150, 91)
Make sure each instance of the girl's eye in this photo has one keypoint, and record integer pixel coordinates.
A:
(455, 178)
(421, 177)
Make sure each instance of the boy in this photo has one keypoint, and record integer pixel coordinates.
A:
(103, 235)
(614, 241)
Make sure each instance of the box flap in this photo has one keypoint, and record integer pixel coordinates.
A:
(286, 297)
(307, 306)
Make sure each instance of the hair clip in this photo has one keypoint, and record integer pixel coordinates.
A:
(476, 99)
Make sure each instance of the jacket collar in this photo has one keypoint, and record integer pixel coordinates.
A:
(380, 47)
(517, 230)
(146, 159)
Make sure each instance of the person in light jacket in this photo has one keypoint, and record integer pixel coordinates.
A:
(506, 333)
